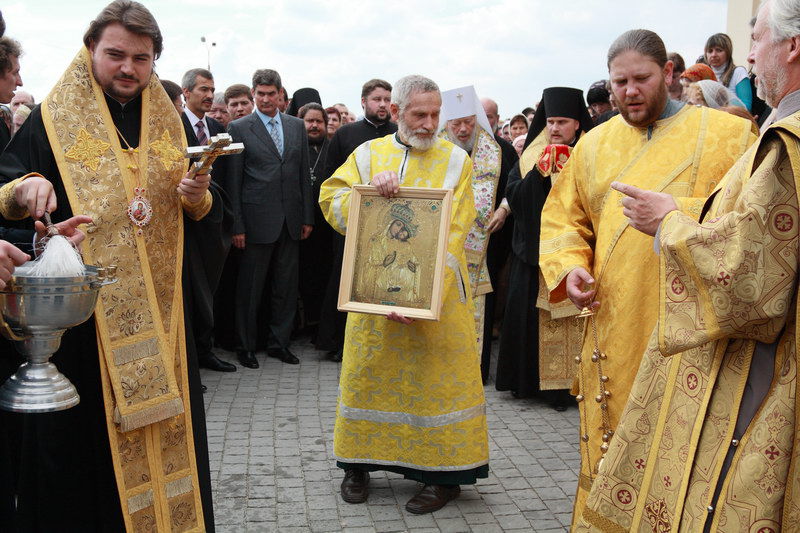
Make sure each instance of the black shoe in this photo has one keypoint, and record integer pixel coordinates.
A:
(247, 358)
(335, 356)
(212, 362)
(355, 486)
(203, 388)
(284, 355)
(432, 498)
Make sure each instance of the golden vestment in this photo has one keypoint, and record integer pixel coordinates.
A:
(139, 319)
(685, 155)
(725, 285)
(560, 333)
(486, 159)
(411, 395)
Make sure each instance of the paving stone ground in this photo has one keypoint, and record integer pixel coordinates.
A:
(270, 436)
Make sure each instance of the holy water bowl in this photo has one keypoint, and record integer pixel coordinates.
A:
(36, 311)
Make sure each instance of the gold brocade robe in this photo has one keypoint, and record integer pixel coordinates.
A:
(412, 395)
(583, 226)
(486, 158)
(139, 319)
(724, 285)
(560, 333)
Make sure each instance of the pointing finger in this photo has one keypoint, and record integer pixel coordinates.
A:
(628, 190)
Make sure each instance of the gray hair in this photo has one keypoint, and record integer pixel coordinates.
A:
(783, 19)
(219, 98)
(645, 42)
(408, 85)
(190, 78)
(265, 76)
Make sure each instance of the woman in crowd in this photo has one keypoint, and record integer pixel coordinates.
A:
(711, 94)
(719, 53)
(334, 120)
(518, 125)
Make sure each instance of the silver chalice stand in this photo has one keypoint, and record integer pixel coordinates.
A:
(36, 311)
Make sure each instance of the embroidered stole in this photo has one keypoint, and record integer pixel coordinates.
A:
(140, 330)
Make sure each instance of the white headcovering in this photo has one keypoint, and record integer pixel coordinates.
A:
(463, 102)
(717, 95)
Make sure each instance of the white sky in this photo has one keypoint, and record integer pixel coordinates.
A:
(509, 49)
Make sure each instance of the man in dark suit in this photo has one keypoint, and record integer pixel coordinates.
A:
(206, 241)
(270, 186)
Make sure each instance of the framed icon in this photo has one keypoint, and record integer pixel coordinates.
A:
(395, 252)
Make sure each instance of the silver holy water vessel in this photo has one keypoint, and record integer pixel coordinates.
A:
(36, 311)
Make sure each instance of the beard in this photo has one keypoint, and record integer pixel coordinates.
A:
(375, 118)
(770, 82)
(467, 145)
(317, 137)
(413, 138)
(649, 113)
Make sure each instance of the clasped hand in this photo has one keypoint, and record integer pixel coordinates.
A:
(193, 189)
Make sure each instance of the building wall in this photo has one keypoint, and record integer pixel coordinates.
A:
(739, 14)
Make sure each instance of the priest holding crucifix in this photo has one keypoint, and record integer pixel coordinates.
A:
(109, 145)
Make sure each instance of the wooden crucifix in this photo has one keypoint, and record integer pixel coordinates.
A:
(220, 144)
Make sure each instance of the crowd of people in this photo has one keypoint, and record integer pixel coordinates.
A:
(579, 226)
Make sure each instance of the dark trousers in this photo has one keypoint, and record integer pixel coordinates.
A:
(276, 262)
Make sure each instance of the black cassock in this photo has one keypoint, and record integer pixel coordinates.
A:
(57, 466)
(316, 252)
(330, 336)
(518, 362)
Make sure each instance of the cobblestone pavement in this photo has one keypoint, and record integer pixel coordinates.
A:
(270, 434)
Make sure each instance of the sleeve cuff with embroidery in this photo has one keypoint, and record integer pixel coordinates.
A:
(197, 210)
(9, 207)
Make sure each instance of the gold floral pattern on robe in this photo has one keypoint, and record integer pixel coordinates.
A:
(686, 155)
(140, 318)
(725, 284)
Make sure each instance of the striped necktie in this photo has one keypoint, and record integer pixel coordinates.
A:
(201, 132)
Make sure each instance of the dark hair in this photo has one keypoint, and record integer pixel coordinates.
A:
(373, 84)
(597, 95)
(2, 24)
(645, 42)
(133, 16)
(8, 48)
(172, 88)
(527, 110)
(265, 76)
(237, 89)
(721, 40)
(190, 78)
(677, 60)
(301, 113)
(333, 111)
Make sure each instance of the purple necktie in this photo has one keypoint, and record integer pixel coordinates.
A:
(201, 132)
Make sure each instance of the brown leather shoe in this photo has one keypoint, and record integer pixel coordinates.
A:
(355, 486)
(432, 498)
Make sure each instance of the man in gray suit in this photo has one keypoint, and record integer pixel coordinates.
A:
(270, 187)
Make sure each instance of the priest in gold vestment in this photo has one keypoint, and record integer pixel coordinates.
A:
(655, 143)
(464, 124)
(410, 393)
(109, 144)
(709, 438)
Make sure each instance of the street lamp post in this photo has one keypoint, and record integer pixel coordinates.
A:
(209, 46)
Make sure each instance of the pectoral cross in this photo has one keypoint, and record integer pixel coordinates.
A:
(220, 144)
